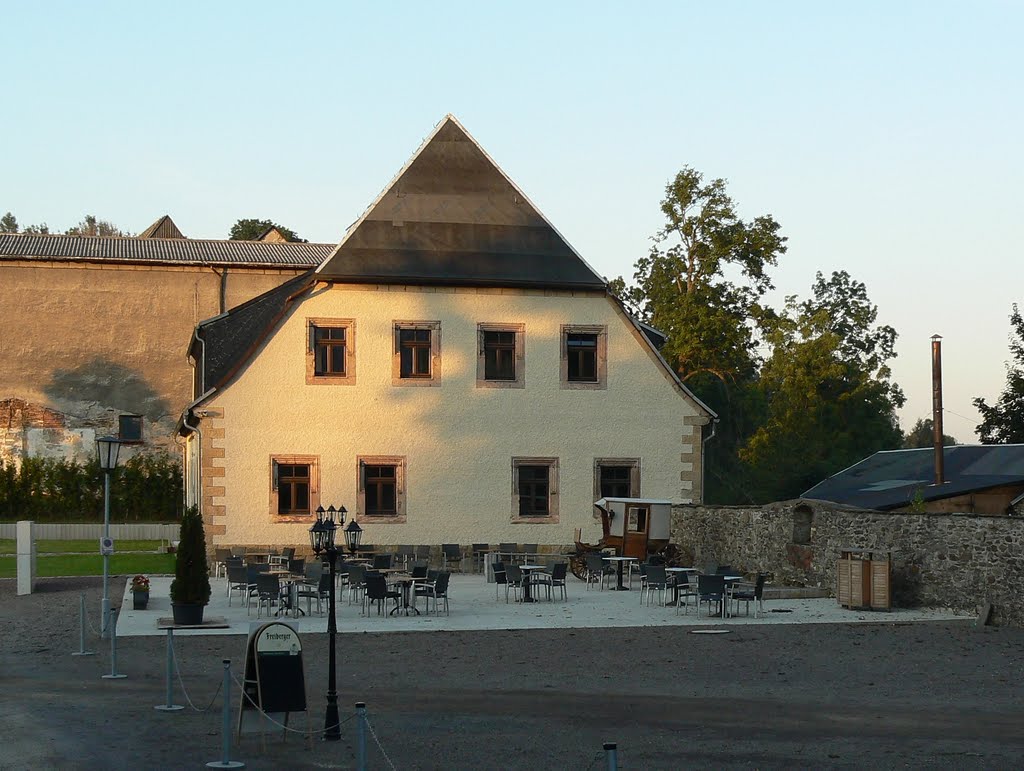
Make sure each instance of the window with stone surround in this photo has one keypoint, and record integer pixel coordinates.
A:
(417, 353)
(381, 488)
(501, 361)
(294, 487)
(584, 358)
(616, 478)
(331, 351)
(535, 490)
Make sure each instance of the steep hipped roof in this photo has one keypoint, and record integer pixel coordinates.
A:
(891, 479)
(161, 250)
(162, 228)
(451, 216)
(230, 339)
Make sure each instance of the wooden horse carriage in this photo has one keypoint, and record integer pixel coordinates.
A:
(631, 527)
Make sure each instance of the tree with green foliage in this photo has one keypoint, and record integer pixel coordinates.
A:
(682, 286)
(702, 284)
(1003, 422)
(91, 226)
(8, 223)
(828, 390)
(923, 435)
(253, 230)
(191, 584)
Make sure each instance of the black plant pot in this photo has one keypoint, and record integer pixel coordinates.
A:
(140, 600)
(187, 613)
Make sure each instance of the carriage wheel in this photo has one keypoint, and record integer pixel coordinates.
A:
(578, 566)
(672, 555)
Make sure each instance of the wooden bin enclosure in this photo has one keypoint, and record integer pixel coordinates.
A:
(863, 579)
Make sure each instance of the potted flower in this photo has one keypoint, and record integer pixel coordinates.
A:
(190, 590)
(140, 592)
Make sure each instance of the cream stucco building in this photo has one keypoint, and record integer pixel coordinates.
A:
(452, 372)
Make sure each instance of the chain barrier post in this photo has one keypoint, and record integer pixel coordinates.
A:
(169, 706)
(611, 755)
(361, 736)
(112, 629)
(225, 744)
(81, 628)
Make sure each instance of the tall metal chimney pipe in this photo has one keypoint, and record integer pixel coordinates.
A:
(937, 407)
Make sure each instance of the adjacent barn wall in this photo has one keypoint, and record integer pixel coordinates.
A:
(86, 342)
(958, 561)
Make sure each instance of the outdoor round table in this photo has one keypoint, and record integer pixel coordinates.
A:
(619, 561)
(407, 582)
(527, 569)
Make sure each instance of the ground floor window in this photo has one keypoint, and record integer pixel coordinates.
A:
(616, 478)
(294, 489)
(382, 487)
(535, 489)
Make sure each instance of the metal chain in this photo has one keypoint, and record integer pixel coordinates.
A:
(177, 670)
(88, 621)
(597, 757)
(381, 748)
(247, 697)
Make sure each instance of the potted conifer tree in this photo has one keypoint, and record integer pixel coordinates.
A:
(190, 590)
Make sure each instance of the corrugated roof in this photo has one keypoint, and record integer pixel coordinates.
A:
(451, 216)
(891, 479)
(161, 250)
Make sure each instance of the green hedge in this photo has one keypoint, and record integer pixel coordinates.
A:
(146, 488)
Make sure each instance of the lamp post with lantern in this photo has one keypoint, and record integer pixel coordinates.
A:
(107, 449)
(321, 538)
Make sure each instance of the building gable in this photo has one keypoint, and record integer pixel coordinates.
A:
(451, 216)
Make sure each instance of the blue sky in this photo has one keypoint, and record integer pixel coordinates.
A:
(884, 137)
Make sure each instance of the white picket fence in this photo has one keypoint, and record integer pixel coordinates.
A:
(67, 532)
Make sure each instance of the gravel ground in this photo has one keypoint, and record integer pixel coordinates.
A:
(843, 696)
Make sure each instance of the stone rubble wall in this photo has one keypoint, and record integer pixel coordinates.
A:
(956, 561)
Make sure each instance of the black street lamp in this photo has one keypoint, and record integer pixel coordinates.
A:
(353, 534)
(107, 448)
(321, 538)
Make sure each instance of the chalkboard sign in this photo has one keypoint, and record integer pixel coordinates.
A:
(274, 678)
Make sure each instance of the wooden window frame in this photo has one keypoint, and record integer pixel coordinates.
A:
(601, 332)
(399, 462)
(519, 381)
(551, 518)
(134, 419)
(349, 325)
(634, 475)
(434, 378)
(313, 461)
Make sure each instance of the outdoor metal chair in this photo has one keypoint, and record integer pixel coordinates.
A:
(657, 580)
(282, 559)
(513, 581)
(377, 591)
(451, 554)
(751, 593)
(553, 579)
(508, 552)
(597, 569)
(684, 591)
(382, 562)
(500, 579)
(423, 554)
(711, 589)
(220, 562)
(480, 556)
(436, 590)
(238, 581)
(405, 555)
(268, 592)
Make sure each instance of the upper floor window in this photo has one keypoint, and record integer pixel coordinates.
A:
(331, 351)
(417, 359)
(584, 356)
(500, 363)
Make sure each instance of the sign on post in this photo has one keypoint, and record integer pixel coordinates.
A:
(106, 546)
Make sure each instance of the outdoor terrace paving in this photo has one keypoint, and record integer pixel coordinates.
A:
(473, 607)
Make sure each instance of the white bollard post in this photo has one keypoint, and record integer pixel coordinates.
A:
(112, 629)
(26, 531)
(225, 748)
(81, 628)
(169, 706)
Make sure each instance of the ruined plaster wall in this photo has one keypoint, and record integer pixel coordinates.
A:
(957, 561)
(88, 342)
